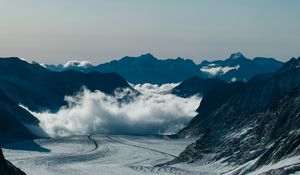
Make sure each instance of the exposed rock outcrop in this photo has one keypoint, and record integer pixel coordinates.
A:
(6, 168)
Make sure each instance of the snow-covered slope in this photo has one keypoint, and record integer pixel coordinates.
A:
(124, 155)
(97, 154)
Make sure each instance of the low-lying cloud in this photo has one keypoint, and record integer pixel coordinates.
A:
(153, 112)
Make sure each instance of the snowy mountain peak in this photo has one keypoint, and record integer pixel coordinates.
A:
(76, 63)
(236, 55)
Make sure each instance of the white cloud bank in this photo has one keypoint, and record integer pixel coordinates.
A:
(76, 63)
(218, 70)
(153, 112)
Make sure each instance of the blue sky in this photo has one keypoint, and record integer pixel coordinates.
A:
(54, 31)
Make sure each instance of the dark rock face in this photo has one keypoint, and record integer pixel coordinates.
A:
(211, 102)
(12, 121)
(196, 85)
(259, 121)
(6, 168)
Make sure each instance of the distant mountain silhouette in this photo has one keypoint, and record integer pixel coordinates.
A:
(239, 68)
(148, 69)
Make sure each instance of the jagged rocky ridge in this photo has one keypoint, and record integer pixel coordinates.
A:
(143, 69)
(239, 68)
(249, 125)
(149, 69)
(6, 168)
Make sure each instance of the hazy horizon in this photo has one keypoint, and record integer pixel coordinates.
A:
(98, 31)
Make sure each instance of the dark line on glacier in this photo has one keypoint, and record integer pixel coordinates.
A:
(128, 144)
(94, 141)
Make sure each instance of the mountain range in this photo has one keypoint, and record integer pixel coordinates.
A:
(149, 69)
(248, 116)
(40, 89)
(249, 125)
(239, 68)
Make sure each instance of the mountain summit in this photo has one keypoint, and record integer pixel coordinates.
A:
(238, 67)
(237, 55)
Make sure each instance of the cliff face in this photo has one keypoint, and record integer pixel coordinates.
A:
(6, 168)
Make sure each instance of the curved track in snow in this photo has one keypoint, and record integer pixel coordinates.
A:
(95, 143)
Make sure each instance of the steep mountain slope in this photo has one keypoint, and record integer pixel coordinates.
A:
(195, 85)
(256, 125)
(257, 95)
(13, 120)
(38, 88)
(6, 168)
(238, 67)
